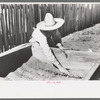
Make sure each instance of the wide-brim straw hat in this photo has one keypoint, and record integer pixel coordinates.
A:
(50, 23)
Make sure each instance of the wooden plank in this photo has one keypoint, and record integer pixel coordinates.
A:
(57, 9)
(4, 31)
(75, 27)
(30, 20)
(36, 9)
(43, 10)
(20, 28)
(77, 17)
(66, 20)
(15, 26)
(8, 26)
(89, 14)
(80, 62)
(63, 16)
(91, 71)
(93, 13)
(33, 15)
(97, 16)
(99, 12)
(72, 20)
(23, 23)
(61, 29)
(6, 22)
(51, 8)
(86, 15)
(12, 24)
(14, 58)
(77, 59)
(83, 17)
(20, 25)
(80, 17)
(26, 22)
(1, 41)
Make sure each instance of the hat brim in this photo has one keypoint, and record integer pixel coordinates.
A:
(42, 26)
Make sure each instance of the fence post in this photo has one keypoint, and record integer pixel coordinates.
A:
(1, 42)
(4, 30)
(23, 23)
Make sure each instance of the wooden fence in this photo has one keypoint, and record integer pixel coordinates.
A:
(18, 20)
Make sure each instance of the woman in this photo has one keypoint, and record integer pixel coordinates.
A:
(46, 35)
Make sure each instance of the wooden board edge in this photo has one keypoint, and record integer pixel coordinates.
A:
(91, 71)
(19, 47)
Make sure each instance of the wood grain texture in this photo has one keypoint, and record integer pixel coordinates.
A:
(14, 58)
(18, 20)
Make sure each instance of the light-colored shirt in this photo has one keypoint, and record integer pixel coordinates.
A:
(39, 37)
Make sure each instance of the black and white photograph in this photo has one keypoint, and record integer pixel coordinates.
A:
(49, 41)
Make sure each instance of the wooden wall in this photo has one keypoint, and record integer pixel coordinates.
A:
(17, 20)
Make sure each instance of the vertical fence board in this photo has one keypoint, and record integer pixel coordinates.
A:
(80, 17)
(75, 22)
(57, 9)
(6, 24)
(66, 19)
(20, 24)
(83, 18)
(37, 19)
(4, 30)
(1, 41)
(28, 24)
(12, 25)
(33, 7)
(30, 20)
(86, 15)
(10, 28)
(23, 23)
(70, 19)
(93, 14)
(51, 8)
(43, 9)
(15, 23)
(97, 13)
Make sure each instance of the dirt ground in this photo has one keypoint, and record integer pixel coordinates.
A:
(85, 40)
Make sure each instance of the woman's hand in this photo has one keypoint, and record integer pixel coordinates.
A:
(61, 47)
